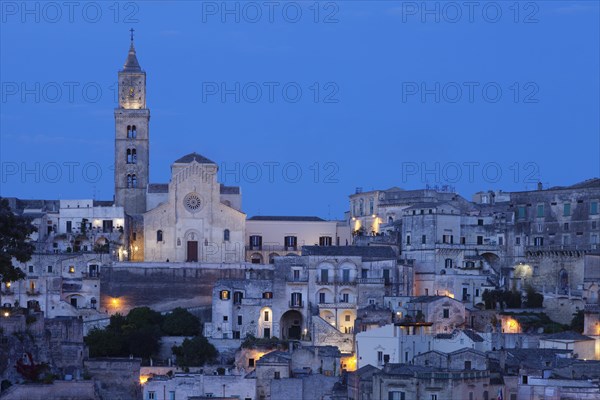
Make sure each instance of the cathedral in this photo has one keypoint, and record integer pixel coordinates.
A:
(193, 218)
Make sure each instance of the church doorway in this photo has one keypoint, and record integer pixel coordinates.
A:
(192, 251)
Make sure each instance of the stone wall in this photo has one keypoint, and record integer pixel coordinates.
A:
(116, 378)
(164, 286)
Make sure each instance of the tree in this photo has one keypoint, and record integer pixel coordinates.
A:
(180, 322)
(534, 299)
(14, 242)
(578, 321)
(195, 352)
(105, 343)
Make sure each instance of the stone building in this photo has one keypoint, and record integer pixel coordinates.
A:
(314, 297)
(75, 239)
(188, 386)
(268, 237)
(194, 222)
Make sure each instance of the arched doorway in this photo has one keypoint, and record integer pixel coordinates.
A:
(291, 325)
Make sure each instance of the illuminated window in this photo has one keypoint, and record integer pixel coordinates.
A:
(266, 316)
(267, 295)
(224, 295)
(72, 269)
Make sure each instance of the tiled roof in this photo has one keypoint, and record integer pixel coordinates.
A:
(568, 335)
(285, 218)
(473, 335)
(188, 158)
(427, 299)
(230, 189)
(158, 188)
(366, 252)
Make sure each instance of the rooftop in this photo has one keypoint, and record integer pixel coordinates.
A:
(366, 252)
(285, 218)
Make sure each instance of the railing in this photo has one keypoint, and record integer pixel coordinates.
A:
(337, 305)
(90, 275)
(336, 281)
(271, 247)
(453, 375)
(299, 279)
(33, 292)
(296, 304)
(563, 247)
(371, 281)
(592, 307)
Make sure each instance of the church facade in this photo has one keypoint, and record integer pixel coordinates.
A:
(193, 218)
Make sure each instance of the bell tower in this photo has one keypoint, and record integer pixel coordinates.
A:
(132, 137)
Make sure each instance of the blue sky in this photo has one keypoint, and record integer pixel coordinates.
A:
(364, 94)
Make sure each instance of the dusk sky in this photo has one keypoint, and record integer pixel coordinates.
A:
(320, 98)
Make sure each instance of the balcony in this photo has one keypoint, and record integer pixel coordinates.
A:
(336, 281)
(592, 308)
(337, 305)
(296, 304)
(33, 292)
(371, 281)
(90, 275)
(299, 279)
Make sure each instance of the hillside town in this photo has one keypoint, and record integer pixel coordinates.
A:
(171, 292)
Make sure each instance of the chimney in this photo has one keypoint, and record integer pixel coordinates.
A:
(539, 186)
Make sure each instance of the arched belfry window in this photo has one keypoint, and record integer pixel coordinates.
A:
(159, 235)
(133, 181)
(226, 235)
(133, 131)
(129, 181)
(129, 131)
(131, 156)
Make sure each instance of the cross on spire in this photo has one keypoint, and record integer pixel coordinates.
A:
(132, 30)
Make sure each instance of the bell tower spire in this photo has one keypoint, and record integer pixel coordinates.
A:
(132, 120)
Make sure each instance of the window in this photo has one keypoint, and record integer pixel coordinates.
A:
(361, 207)
(448, 263)
(525, 380)
(267, 332)
(266, 316)
(267, 295)
(72, 269)
(386, 276)
(224, 295)
(159, 235)
(567, 209)
(49, 269)
(69, 226)
(237, 297)
(521, 213)
(540, 211)
(423, 239)
(131, 156)
(256, 242)
(518, 240)
(131, 132)
(239, 320)
(290, 242)
(324, 275)
(151, 395)
(446, 313)
(277, 375)
(380, 357)
(171, 395)
(226, 235)
(480, 222)
(251, 362)
(479, 240)
(346, 299)
(538, 241)
(131, 181)
(325, 241)
(225, 318)
(296, 300)
(347, 318)
(364, 273)
(594, 224)
(371, 206)
(566, 226)
(448, 238)
(594, 207)
(322, 297)
(345, 275)
(434, 397)
(463, 240)
(31, 269)
(407, 240)
(296, 273)
(396, 395)
(467, 365)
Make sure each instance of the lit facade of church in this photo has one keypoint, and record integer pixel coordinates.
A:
(193, 218)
